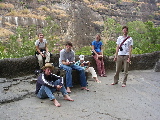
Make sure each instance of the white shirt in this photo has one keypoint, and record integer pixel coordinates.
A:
(41, 45)
(125, 45)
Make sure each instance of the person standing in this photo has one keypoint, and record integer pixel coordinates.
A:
(66, 62)
(97, 48)
(42, 50)
(48, 83)
(123, 55)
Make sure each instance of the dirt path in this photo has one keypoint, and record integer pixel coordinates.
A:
(139, 100)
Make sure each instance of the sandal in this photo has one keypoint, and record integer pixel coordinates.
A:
(104, 75)
(84, 88)
(123, 85)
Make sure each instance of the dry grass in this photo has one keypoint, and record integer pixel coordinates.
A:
(9, 24)
(6, 6)
(5, 32)
(88, 1)
(100, 23)
(60, 13)
(25, 13)
(43, 8)
(97, 6)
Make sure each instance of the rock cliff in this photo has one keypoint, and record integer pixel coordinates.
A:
(79, 20)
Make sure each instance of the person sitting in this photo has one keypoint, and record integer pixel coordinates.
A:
(42, 50)
(66, 62)
(86, 66)
(48, 83)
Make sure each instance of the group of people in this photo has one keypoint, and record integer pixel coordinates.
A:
(48, 82)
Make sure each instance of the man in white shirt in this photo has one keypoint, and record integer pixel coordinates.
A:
(123, 55)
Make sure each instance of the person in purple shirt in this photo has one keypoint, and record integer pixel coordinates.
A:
(98, 55)
(48, 83)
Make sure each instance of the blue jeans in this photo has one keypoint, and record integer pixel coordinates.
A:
(68, 70)
(47, 92)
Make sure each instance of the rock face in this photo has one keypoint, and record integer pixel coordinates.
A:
(79, 20)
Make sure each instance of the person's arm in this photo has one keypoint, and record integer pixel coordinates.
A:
(116, 54)
(102, 50)
(130, 53)
(65, 62)
(46, 47)
(38, 50)
(43, 81)
(94, 50)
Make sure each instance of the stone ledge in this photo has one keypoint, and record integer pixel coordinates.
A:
(14, 67)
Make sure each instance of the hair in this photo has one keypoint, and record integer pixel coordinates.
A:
(98, 35)
(69, 43)
(40, 33)
(125, 27)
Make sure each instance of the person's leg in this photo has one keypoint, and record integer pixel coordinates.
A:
(118, 68)
(98, 63)
(63, 91)
(81, 75)
(47, 57)
(68, 70)
(93, 73)
(103, 72)
(126, 65)
(40, 60)
(102, 68)
(46, 92)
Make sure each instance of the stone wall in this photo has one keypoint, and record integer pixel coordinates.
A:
(27, 65)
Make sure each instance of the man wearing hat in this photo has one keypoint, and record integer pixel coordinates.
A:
(85, 65)
(48, 83)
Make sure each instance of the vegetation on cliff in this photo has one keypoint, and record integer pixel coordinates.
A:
(145, 35)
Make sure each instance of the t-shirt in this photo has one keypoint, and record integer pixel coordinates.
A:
(41, 45)
(97, 45)
(66, 56)
(125, 45)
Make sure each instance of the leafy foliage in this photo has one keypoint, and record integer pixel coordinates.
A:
(22, 43)
(145, 35)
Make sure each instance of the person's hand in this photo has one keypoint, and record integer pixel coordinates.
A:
(115, 59)
(82, 64)
(42, 55)
(128, 60)
(59, 87)
(67, 63)
(100, 56)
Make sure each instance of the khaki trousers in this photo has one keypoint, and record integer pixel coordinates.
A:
(40, 59)
(121, 59)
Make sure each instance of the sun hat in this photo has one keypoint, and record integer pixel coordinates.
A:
(81, 57)
(48, 65)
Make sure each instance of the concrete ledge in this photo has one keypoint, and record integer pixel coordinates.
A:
(14, 67)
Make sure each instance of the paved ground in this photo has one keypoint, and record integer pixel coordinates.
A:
(139, 100)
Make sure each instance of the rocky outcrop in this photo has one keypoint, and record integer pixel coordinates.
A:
(79, 20)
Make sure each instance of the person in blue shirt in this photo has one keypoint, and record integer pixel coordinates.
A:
(97, 48)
